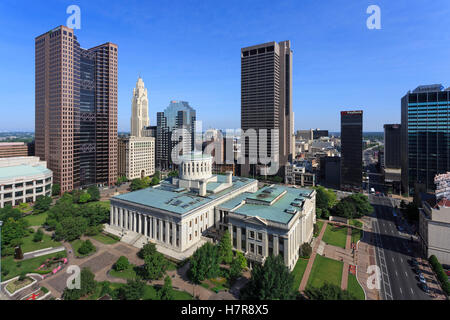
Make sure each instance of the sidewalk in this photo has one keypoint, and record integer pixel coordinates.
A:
(312, 258)
(348, 246)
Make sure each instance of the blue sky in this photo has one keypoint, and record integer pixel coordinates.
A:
(190, 50)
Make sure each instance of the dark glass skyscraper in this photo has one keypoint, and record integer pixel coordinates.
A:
(351, 149)
(425, 136)
(392, 146)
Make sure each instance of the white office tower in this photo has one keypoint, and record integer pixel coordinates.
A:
(139, 109)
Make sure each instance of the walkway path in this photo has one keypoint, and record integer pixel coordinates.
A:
(348, 246)
(42, 252)
(307, 272)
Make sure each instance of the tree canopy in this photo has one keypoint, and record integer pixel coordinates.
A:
(204, 263)
(225, 249)
(271, 281)
(328, 291)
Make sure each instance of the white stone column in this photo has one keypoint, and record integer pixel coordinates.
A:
(174, 235)
(276, 249)
(161, 230)
(145, 225)
(167, 232)
(135, 221)
(116, 217)
(265, 244)
(111, 215)
(238, 238)
(126, 218)
(286, 251)
(154, 227)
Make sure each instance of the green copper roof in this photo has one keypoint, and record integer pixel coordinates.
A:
(275, 212)
(22, 171)
(167, 198)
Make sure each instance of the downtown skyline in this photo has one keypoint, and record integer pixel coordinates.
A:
(338, 63)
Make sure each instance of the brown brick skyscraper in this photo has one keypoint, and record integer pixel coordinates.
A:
(76, 109)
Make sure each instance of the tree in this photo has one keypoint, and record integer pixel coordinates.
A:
(133, 290)
(305, 250)
(38, 236)
(94, 192)
(147, 249)
(204, 263)
(238, 264)
(56, 189)
(42, 204)
(225, 249)
(166, 292)
(361, 203)
(345, 209)
(325, 200)
(70, 228)
(155, 266)
(121, 264)
(137, 184)
(271, 281)
(173, 173)
(157, 174)
(86, 247)
(328, 291)
(87, 286)
(154, 181)
(84, 197)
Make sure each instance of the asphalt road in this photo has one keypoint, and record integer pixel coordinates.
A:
(394, 251)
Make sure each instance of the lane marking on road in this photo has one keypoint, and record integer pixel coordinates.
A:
(412, 291)
(401, 259)
(396, 273)
(406, 274)
(401, 291)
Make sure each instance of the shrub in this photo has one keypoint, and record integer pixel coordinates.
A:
(44, 289)
(121, 264)
(38, 236)
(305, 250)
(86, 248)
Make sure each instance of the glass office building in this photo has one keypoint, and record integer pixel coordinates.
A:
(351, 150)
(425, 137)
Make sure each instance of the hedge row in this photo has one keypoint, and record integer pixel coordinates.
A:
(441, 275)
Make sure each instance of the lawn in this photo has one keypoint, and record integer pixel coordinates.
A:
(354, 288)
(356, 223)
(36, 219)
(319, 225)
(104, 238)
(76, 244)
(325, 270)
(15, 285)
(298, 272)
(356, 235)
(335, 236)
(29, 245)
(15, 268)
(129, 273)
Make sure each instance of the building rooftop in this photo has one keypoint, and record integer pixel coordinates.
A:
(180, 200)
(274, 203)
(22, 171)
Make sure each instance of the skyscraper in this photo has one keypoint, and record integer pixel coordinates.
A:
(139, 109)
(351, 149)
(392, 146)
(425, 137)
(266, 101)
(178, 115)
(76, 109)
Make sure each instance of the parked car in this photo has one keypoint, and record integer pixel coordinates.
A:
(400, 228)
(425, 288)
(422, 278)
(447, 272)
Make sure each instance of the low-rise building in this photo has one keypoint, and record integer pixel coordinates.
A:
(13, 149)
(23, 179)
(177, 214)
(300, 174)
(136, 157)
(434, 221)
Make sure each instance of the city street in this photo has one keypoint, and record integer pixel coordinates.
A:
(394, 253)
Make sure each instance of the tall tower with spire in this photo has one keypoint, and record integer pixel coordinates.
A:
(139, 109)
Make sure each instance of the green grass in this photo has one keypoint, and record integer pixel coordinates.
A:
(325, 270)
(356, 235)
(76, 244)
(104, 238)
(298, 272)
(125, 274)
(354, 288)
(47, 242)
(181, 295)
(27, 266)
(15, 285)
(320, 225)
(335, 236)
(356, 223)
(36, 219)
